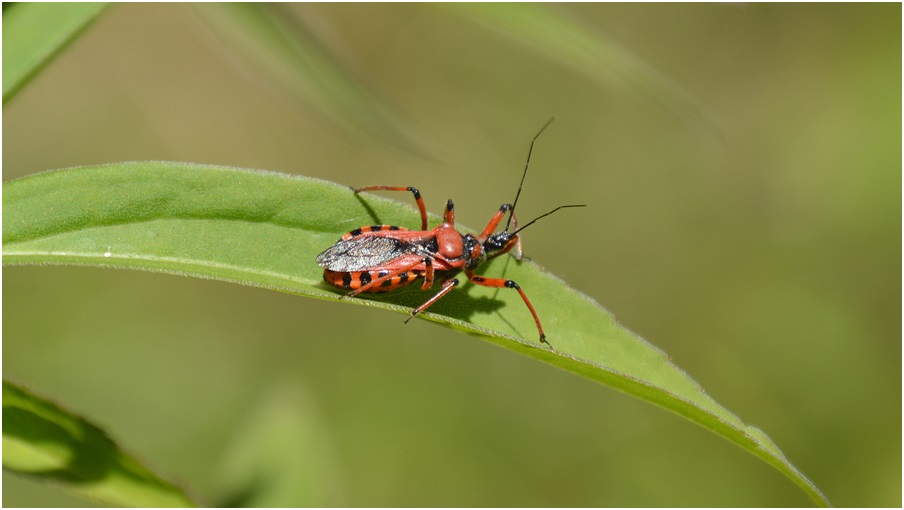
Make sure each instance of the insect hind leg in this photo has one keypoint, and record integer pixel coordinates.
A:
(414, 191)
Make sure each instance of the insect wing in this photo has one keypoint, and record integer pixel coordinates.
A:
(362, 253)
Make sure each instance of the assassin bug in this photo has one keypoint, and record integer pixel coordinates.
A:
(382, 258)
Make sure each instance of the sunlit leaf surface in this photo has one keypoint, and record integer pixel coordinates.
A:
(265, 229)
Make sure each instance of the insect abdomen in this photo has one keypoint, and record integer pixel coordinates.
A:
(370, 228)
(356, 279)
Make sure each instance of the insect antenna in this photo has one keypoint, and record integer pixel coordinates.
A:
(545, 215)
(526, 166)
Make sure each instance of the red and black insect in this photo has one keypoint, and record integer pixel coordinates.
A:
(382, 258)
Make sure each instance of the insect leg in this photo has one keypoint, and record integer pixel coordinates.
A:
(517, 253)
(428, 277)
(414, 191)
(447, 286)
(494, 222)
(502, 282)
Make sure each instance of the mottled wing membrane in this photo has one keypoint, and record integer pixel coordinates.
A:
(362, 253)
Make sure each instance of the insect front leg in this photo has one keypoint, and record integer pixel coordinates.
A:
(414, 191)
(494, 222)
(502, 282)
(517, 253)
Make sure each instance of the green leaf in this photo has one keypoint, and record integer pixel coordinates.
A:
(34, 33)
(265, 229)
(47, 443)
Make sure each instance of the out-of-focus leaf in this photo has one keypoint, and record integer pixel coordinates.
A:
(47, 443)
(546, 30)
(34, 33)
(273, 40)
(282, 455)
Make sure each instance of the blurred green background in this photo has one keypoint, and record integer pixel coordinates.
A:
(742, 167)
